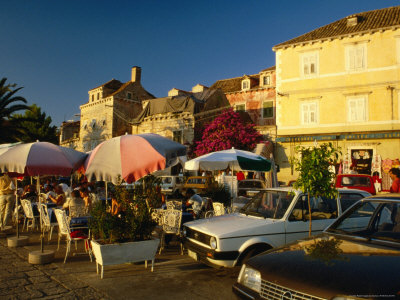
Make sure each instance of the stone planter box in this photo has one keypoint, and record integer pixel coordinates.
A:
(116, 254)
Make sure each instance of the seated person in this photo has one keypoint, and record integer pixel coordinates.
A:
(75, 201)
(85, 196)
(194, 200)
(29, 192)
(59, 198)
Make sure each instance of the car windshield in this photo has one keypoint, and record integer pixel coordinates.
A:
(250, 184)
(268, 204)
(166, 180)
(375, 220)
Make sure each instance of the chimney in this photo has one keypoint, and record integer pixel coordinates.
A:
(353, 20)
(136, 74)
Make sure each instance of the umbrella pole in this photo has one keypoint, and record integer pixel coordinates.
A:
(106, 193)
(16, 205)
(40, 212)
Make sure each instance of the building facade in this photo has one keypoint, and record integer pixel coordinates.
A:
(340, 83)
(108, 112)
(180, 114)
(254, 95)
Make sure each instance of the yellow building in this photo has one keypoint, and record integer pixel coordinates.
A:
(340, 83)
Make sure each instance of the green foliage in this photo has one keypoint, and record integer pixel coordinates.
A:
(9, 104)
(35, 126)
(315, 177)
(133, 222)
(313, 166)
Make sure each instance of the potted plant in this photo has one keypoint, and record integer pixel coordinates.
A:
(123, 233)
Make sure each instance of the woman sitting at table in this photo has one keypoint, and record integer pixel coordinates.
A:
(75, 201)
(29, 192)
(85, 196)
(59, 199)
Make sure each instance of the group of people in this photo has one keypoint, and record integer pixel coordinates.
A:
(80, 196)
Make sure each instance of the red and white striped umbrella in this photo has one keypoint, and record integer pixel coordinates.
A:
(41, 158)
(130, 157)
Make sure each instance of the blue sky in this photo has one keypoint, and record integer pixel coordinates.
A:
(59, 50)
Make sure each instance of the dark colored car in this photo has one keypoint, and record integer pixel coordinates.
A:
(357, 257)
(356, 181)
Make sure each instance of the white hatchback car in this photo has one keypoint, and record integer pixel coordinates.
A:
(272, 218)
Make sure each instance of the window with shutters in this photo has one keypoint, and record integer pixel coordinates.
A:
(357, 109)
(309, 64)
(356, 57)
(309, 113)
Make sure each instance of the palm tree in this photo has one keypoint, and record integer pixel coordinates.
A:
(8, 106)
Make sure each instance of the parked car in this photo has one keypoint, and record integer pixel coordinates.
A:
(171, 185)
(250, 187)
(357, 257)
(272, 218)
(200, 183)
(356, 181)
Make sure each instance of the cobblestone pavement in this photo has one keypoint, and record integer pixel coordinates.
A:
(21, 280)
(175, 276)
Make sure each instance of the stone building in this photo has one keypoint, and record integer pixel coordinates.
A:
(108, 112)
(178, 115)
(255, 96)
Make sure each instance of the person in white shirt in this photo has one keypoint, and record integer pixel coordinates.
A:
(195, 201)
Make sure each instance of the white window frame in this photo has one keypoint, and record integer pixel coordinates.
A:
(356, 57)
(240, 104)
(245, 84)
(309, 110)
(85, 125)
(309, 63)
(262, 109)
(357, 108)
(269, 80)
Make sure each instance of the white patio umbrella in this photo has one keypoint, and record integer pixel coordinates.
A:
(39, 159)
(238, 160)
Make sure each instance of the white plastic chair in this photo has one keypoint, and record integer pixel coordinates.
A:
(29, 218)
(219, 209)
(47, 224)
(64, 230)
(171, 224)
(77, 211)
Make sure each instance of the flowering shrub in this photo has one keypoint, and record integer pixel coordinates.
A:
(227, 131)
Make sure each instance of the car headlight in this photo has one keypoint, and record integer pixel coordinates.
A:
(184, 231)
(250, 278)
(213, 243)
(344, 298)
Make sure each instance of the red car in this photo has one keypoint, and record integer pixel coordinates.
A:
(356, 181)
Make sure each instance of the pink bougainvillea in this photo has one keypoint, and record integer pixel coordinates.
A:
(227, 131)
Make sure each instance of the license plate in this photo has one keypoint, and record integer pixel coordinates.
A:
(192, 254)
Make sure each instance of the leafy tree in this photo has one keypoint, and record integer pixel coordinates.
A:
(9, 104)
(315, 177)
(227, 131)
(34, 126)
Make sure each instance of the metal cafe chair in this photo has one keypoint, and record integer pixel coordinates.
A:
(64, 230)
(30, 220)
(171, 224)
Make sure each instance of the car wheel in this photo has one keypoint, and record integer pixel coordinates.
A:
(209, 214)
(253, 251)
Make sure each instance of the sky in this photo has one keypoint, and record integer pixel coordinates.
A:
(58, 50)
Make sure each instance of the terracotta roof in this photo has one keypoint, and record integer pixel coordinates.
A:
(269, 69)
(368, 21)
(233, 84)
